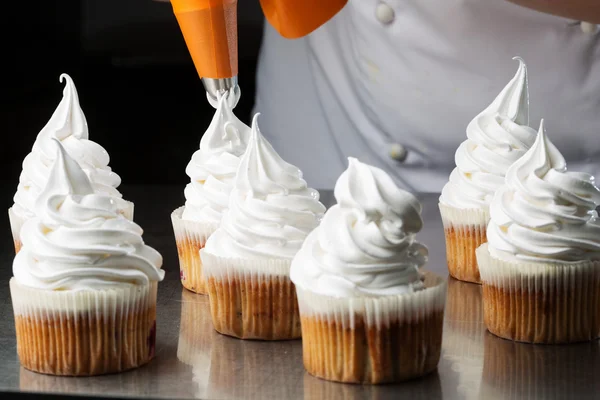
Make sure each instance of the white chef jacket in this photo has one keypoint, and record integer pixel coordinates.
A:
(395, 84)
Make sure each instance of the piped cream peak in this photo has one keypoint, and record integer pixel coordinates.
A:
(262, 171)
(541, 157)
(66, 177)
(68, 118)
(255, 135)
(513, 100)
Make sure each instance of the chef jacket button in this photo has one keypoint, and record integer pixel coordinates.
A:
(384, 13)
(398, 152)
(588, 27)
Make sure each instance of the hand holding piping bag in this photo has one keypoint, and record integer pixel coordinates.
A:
(209, 28)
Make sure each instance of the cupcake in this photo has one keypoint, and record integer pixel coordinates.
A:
(368, 314)
(67, 124)
(541, 266)
(84, 285)
(496, 138)
(247, 260)
(212, 171)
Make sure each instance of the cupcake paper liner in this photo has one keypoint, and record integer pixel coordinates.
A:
(252, 299)
(373, 339)
(540, 303)
(465, 231)
(191, 236)
(16, 223)
(83, 333)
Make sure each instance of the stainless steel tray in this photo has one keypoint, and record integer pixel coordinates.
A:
(193, 361)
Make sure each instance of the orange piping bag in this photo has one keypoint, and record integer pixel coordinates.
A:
(209, 28)
(297, 18)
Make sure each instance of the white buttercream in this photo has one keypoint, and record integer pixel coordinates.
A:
(79, 241)
(496, 138)
(365, 245)
(213, 167)
(67, 124)
(545, 213)
(271, 208)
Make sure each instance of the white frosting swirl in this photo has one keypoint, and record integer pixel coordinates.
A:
(496, 138)
(545, 213)
(212, 168)
(79, 241)
(271, 209)
(67, 124)
(365, 245)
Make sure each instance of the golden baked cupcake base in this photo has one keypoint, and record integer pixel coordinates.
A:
(190, 265)
(461, 243)
(247, 309)
(540, 303)
(462, 239)
(252, 299)
(373, 339)
(84, 333)
(190, 237)
(363, 354)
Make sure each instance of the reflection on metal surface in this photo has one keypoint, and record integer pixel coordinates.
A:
(463, 335)
(225, 367)
(35, 382)
(463, 304)
(195, 338)
(242, 368)
(514, 370)
(428, 387)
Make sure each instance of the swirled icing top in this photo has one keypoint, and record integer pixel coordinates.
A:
(496, 138)
(67, 124)
(212, 168)
(545, 213)
(271, 210)
(365, 245)
(79, 241)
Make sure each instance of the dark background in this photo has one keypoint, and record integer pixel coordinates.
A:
(138, 88)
